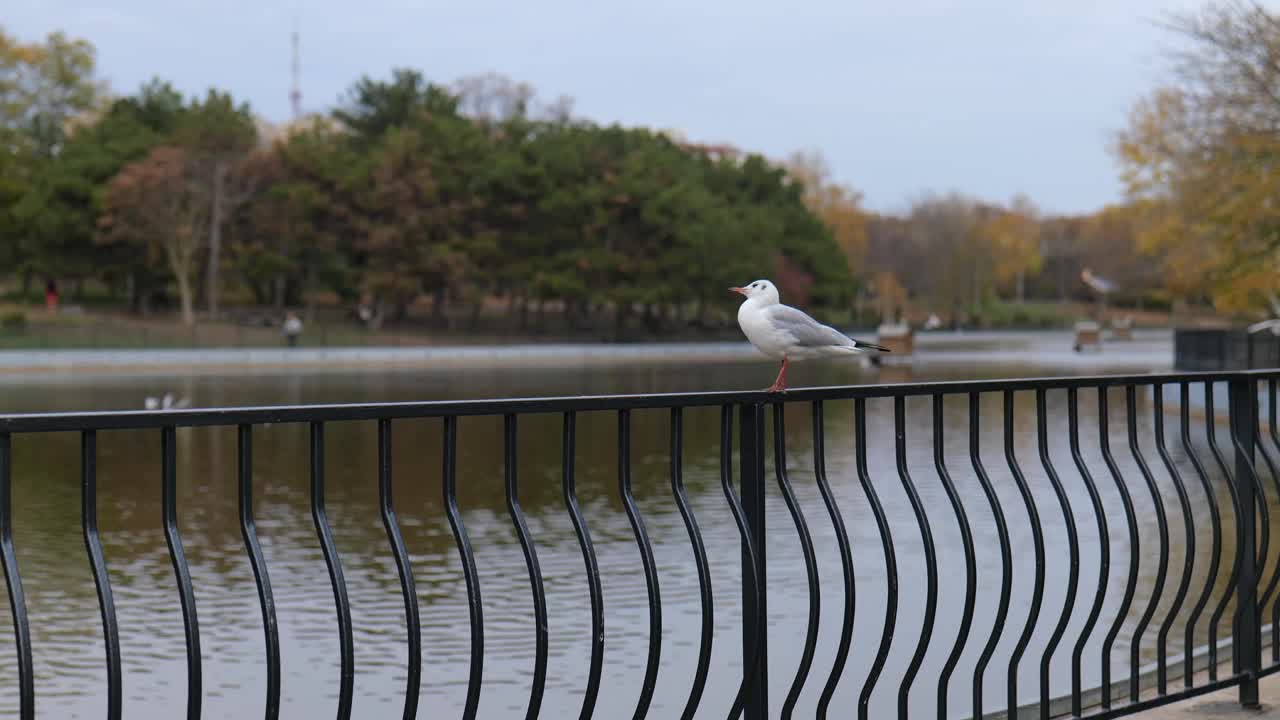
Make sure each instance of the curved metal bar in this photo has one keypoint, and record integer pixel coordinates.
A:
(531, 562)
(646, 558)
(1162, 525)
(98, 563)
(806, 550)
(1243, 405)
(1215, 524)
(1188, 542)
(13, 581)
(890, 559)
(744, 532)
(1216, 617)
(699, 560)
(1073, 548)
(1126, 501)
(755, 597)
(1275, 442)
(1006, 554)
(1264, 529)
(331, 559)
(846, 559)
(970, 560)
(186, 593)
(1037, 541)
(1265, 532)
(569, 484)
(403, 567)
(463, 541)
(1104, 548)
(257, 561)
(930, 555)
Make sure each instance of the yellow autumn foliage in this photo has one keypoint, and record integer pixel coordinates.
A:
(1200, 160)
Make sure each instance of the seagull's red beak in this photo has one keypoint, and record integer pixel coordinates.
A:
(740, 291)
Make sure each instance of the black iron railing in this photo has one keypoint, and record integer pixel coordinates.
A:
(1186, 603)
(1217, 349)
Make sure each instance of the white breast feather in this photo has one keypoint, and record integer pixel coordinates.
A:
(762, 334)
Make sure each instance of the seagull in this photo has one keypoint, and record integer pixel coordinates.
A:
(167, 402)
(1099, 285)
(785, 333)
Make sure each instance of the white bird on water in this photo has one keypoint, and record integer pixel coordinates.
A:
(167, 402)
(785, 333)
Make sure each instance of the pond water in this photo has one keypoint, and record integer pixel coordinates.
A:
(66, 630)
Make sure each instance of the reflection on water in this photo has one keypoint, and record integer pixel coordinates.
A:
(66, 630)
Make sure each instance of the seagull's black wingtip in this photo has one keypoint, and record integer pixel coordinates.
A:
(872, 346)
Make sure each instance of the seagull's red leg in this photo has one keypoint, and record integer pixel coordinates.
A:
(780, 383)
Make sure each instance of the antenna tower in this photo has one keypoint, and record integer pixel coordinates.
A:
(295, 92)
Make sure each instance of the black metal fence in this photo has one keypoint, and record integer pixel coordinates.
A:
(1200, 349)
(1234, 585)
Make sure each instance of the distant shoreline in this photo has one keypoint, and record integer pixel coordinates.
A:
(933, 348)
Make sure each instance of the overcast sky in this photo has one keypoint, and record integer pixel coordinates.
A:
(989, 97)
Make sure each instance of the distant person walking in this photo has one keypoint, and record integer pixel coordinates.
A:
(51, 296)
(292, 329)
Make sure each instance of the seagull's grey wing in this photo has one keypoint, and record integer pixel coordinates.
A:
(804, 330)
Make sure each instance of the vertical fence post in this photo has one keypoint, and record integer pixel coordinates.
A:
(751, 467)
(1243, 394)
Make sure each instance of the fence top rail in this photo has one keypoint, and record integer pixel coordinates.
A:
(144, 419)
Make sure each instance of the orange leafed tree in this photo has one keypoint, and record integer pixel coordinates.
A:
(156, 204)
(839, 206)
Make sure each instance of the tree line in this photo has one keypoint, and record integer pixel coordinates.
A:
(407, 190)
(416, 199)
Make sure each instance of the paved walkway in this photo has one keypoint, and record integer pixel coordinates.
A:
(1223, 704)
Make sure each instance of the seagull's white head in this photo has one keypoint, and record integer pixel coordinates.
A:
(762, 291)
